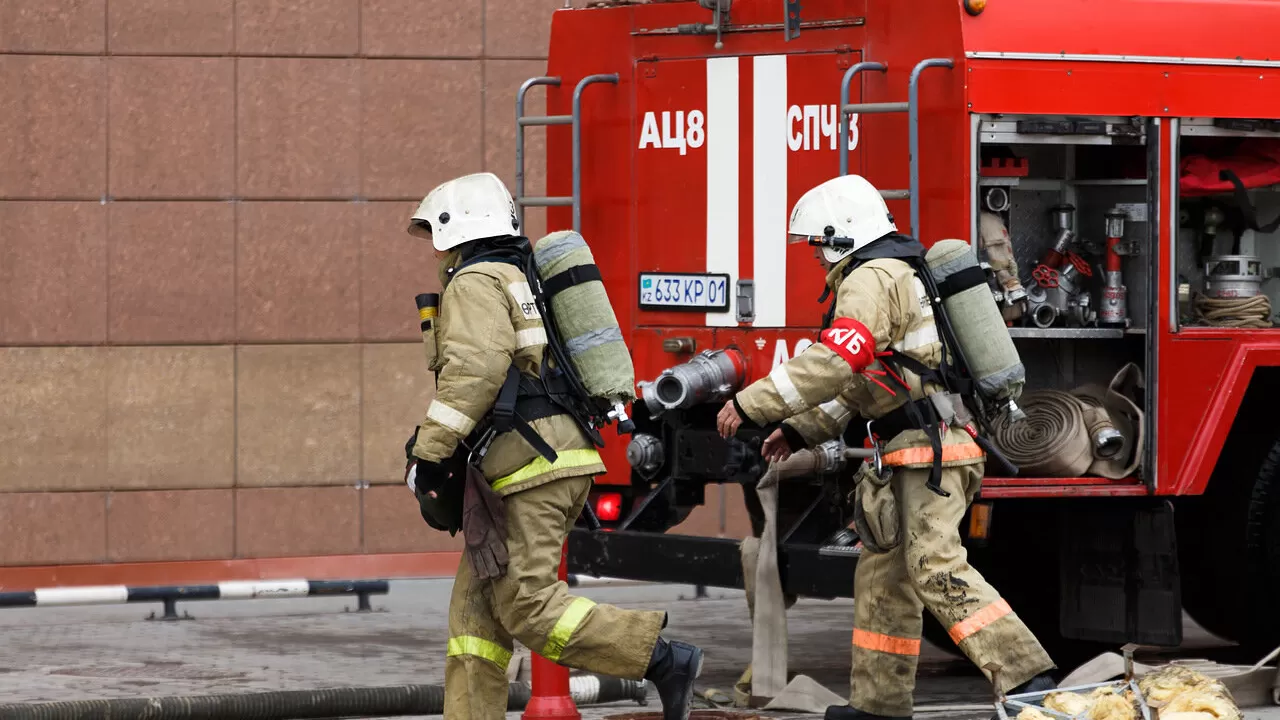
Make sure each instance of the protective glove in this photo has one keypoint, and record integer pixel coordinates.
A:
(484, 527)
(438, 500)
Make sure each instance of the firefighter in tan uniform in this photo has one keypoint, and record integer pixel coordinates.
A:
(506, 586)
(881, 307)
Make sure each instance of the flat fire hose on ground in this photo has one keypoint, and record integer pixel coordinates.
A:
(769, 622)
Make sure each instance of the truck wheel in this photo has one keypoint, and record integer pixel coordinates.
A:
(1262, 556)
(1229, 547)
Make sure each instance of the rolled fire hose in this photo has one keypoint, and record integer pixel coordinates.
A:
(1052, 441)
(323, 703)
(1251, 312)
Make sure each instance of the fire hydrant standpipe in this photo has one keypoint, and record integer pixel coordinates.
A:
(1113, 311)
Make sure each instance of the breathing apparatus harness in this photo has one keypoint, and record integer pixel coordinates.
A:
(952, 373)
(557, 390)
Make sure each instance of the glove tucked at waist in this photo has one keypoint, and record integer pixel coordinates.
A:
(484, 527)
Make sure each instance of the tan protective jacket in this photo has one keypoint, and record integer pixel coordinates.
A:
(487, 319)
(817, 392)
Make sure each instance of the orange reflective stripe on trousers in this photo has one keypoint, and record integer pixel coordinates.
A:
(979, 620)
(918, 455)
(868, 640)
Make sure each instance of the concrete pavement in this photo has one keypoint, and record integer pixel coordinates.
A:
(296, 644)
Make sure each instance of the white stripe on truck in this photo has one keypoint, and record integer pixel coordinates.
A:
(722, 179)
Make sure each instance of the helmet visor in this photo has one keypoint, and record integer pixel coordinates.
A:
(420, 228)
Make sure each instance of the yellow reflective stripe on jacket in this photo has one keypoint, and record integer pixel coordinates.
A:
(481, 648)
(564, 459)
(569, 621)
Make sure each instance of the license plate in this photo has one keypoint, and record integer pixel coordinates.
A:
(706, 292)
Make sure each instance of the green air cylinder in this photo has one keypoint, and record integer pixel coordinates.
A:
(979, 328)
(583, 316)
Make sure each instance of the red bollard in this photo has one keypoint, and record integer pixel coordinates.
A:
(550, 699)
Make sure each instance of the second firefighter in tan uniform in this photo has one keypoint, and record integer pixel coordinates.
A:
(880, 305)
(487, 321)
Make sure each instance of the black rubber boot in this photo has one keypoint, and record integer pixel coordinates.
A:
(1040, 683)
(846, 712)
(673, 669)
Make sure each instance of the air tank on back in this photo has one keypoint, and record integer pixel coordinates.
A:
(978, 325)
(584, 319)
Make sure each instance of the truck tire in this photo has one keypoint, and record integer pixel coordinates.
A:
(1229, 545)
(1262, 557)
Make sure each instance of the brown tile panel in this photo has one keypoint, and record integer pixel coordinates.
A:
(434, 28)
(48, 528)
(298, 271)
(52, 25)
(171, 27)
(397, 388)
(53, 419)
(421, 125)
(394, 524)
(171, 421)
(299, 127)
(278, 522)
(53, 136)
(297, 27)
(170, 525)
(503, 79)
(53, 267)
(172, 127)
(298, 417)
(172, 272)
(518, 28)
(704, 521)
(395, 267)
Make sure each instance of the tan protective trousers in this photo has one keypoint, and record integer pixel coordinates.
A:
(930, 569)
(531, 605)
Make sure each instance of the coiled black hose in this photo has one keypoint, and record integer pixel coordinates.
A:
(291, 704)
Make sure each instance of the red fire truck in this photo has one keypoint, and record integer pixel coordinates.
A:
(1131, 150)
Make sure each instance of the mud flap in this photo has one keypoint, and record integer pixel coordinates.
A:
(1119, 575)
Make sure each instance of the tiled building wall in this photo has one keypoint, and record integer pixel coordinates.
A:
(208, 344)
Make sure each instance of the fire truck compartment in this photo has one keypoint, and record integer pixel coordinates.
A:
(1075, 195)
(1228, 240)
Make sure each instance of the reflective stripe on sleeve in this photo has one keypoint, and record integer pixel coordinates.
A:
(878, 642)
(918, 338)
(481, 648)
(979, 620)
(569, 621)
(787, 389)
(835, 410)
(924, 455)
(450, 418)
(530, 337)
(564, 459)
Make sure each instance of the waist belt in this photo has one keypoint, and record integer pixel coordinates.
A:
(521, 400)
(916, 415)
(899, 420)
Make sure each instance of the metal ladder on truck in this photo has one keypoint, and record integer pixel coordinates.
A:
(911, 107)
(575, 119)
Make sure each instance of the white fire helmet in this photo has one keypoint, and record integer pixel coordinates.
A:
(471, 207)
(847, 209)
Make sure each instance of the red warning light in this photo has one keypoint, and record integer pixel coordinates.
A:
(609, 507)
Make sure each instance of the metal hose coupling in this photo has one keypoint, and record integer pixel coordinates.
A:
(710, 376)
